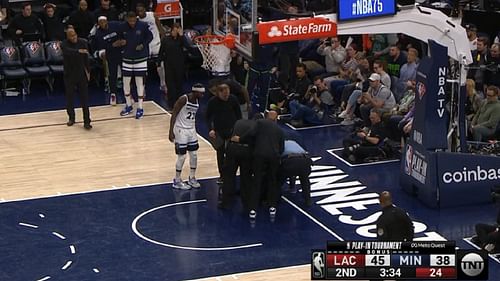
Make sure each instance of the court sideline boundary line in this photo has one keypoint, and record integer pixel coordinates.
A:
(116, 188)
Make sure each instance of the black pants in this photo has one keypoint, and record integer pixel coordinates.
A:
(362, 151)
(297, 166)
(288, 62)
(237, 155)
(265, 167)
(174, 78)
(81, 86)
(113, 64)
(487, 235)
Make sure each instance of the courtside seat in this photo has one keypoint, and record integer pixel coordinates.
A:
(54, 56)
(11, 67)
(34, 62)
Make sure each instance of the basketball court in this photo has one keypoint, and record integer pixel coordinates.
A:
(98, 205)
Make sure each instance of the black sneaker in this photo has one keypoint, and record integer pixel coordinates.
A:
(70, 123)
(220, 181)
(87, 126)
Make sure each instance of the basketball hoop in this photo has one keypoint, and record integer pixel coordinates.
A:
(216, 52)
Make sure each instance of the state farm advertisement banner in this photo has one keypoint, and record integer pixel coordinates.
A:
(168, 8)
(295, 29)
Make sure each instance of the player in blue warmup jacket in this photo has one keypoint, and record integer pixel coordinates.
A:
(136, 38)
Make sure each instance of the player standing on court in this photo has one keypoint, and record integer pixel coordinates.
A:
(183, 134)
(135, 60)
(154, 46)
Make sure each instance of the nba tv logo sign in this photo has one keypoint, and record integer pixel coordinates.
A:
(472, 265)
(318, 268)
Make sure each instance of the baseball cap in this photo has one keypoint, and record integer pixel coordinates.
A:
(374, 77)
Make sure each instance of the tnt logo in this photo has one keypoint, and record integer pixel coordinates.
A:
(167, 8)
(34, 47)
(473, 265)
(274, 32)
(421, 90)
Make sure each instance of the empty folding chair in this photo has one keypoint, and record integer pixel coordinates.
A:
(34, 62)
(11, 68)
(54, 58)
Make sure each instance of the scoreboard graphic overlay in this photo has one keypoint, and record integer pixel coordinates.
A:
(398, 260)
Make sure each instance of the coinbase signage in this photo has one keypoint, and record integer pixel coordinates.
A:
(359, 9)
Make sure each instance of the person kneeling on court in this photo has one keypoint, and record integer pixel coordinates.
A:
(295, 162)
(183, 134)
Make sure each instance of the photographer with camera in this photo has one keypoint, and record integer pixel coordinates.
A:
(316, 102)
(366, 142)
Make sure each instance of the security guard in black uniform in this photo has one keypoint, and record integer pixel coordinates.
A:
(295, 162)
(394, 224)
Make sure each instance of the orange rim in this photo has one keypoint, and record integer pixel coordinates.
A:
(228, 40)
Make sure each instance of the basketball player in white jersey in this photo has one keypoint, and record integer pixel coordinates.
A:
(183, 134)
(154, 46)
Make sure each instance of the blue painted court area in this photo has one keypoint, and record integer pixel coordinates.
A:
(182, 235)
(89, 236)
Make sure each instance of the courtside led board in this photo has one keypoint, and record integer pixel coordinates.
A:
(360, 9)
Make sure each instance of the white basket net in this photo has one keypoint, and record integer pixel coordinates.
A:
(216, 55)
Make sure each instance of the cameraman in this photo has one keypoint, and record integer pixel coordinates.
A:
(316, 102)
(366, 142)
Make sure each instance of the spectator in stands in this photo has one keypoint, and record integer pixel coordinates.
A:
(105, 9)
(473, 101)
(472, 35)
(367, 141)
(149, 4)
(407, 73)
(396, 59)
(25, 26)
(82, 20)
(52, 22)
(379, 67)
(379, 44)
(492, 76)
(334, 55)
(399, 112)
(486, 120)
(4, 13)
(481, 58)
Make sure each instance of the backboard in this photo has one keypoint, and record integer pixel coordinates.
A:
(238, 17)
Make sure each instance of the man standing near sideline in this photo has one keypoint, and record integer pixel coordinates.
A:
(394, 224)
(223, 110)
(183, 134)
(108, 47)
(76, 75)
(136, 40)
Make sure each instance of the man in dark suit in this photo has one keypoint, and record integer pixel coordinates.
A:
(76, 75)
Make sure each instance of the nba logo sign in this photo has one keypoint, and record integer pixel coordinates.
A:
(318, 265)
(9, 51)
(34, 47)
(408, 159)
